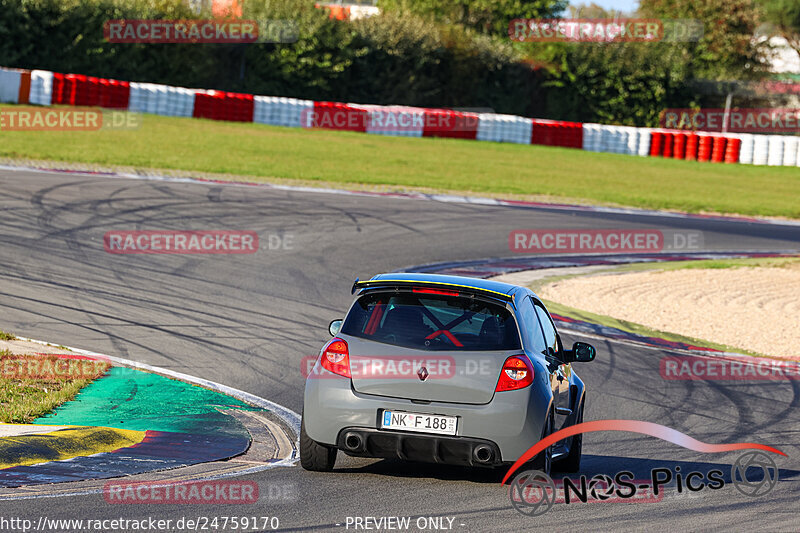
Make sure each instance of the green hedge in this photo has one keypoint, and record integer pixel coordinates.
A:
(388, 59)
(67, 36)
(619, 83)
(395, 58)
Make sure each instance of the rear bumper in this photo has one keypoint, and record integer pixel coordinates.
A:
(463, 451)
(512, 422)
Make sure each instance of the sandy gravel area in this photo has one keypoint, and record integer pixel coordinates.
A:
(756, 308)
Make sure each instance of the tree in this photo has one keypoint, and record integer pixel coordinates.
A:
(784, 15)
(727, 49)
(486, 16)
(617, 83)
(591, 11)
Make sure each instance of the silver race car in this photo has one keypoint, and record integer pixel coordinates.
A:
(443, 369)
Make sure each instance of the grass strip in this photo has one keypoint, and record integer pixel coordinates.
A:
(33, 385)
(745, 262)
(266, 153)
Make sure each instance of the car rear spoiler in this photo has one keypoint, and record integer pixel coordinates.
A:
(407, 283)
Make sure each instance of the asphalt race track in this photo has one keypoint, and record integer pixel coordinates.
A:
(247, 321)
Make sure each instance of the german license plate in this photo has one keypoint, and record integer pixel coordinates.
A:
(404, 421)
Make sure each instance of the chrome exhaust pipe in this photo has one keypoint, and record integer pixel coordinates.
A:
(483, 454)
(353, 442)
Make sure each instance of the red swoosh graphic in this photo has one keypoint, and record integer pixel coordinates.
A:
(635, 426)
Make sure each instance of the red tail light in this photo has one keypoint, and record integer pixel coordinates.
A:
(336, 357)
(517, 374)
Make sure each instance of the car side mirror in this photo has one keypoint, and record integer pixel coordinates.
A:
(335, 326)
(581, 352)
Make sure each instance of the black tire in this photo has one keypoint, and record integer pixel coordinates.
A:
(572, 462)
(544, 461)
(314, 456)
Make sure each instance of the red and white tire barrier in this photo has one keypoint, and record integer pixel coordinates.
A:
(41, 87)
(15, 85)
(746, 148)
(281, 111)
(450, 123)
(398, 121)
(504, 128)
(336, 116)
(221, 105)
(557, 133)
(41, 92)
(790, 151)
(644, 142)
(616, 139)
(161, 100)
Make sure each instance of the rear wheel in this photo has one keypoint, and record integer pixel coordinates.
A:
(313, 455)
(572, 462)
(544, 461)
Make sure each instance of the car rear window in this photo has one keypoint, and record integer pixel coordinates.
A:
(432, 322)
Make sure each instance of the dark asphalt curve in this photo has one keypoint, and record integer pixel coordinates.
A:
(249, 320)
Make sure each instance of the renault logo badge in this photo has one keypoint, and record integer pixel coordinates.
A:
(422, 373)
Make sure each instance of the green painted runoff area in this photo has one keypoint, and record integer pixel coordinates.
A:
(131, 399)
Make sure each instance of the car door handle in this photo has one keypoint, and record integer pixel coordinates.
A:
(563, 411)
